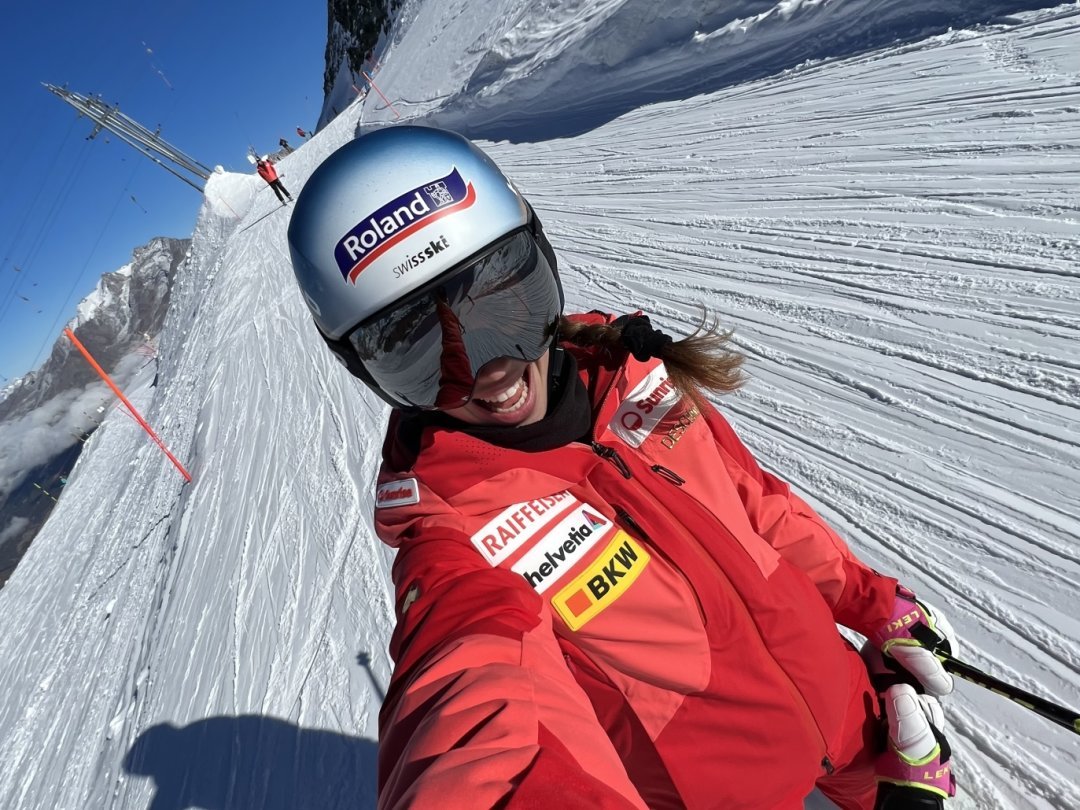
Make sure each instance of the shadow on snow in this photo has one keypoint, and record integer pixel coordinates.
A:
(249, 761)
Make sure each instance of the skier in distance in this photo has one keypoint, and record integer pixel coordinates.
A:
(267, 171)
(602, 599)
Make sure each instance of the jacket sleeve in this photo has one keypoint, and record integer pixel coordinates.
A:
(859, 596)
(482, 711)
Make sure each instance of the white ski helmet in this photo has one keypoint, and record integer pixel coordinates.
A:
(421, 262)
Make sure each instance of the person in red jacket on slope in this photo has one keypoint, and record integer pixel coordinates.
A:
(265, 167)
(602, 599)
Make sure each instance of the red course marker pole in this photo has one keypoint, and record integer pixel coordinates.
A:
(371, 81)
(138, 417)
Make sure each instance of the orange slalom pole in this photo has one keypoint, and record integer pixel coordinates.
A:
(138, 416)
(377, 90)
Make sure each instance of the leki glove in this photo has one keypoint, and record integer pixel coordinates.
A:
(915, 771)
(907, 642)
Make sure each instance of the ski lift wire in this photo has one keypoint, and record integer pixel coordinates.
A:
(49, 339)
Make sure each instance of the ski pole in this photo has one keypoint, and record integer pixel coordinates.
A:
(1067, 718)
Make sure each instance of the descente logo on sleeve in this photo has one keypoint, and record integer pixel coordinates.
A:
(602, 583)
(397, 493)
(644, 407)
(518, 523)
(555, 552)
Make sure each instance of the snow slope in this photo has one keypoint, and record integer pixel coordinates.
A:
(892, 235)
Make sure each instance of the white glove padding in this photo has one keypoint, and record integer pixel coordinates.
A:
(918, 757)
(904, 638)
(911, 717)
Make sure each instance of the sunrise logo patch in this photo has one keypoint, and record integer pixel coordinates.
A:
(602, 583)
(643, 408)
(397, 493)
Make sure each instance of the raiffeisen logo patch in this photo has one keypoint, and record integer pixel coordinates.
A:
(518, 523)
(555, 552)
(382, 229)
(602, 583)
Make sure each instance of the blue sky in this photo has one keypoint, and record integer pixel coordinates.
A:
(216, 76)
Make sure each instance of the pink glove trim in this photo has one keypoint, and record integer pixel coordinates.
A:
(930, 774)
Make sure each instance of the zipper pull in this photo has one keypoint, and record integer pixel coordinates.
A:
(628, 520)
(612, 455)
(670, 475)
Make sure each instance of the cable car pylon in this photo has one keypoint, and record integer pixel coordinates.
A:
(150, 144)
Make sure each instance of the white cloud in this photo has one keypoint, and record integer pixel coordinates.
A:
(49, 429)
(38, 436)
(15, 525)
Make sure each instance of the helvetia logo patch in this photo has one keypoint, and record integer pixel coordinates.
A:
(558, 550)
(602, 583)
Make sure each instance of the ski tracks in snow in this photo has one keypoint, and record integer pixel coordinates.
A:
(894, 239)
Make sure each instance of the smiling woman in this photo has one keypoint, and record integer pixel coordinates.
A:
(583, 542)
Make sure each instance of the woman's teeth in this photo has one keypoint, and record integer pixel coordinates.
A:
(517, 394)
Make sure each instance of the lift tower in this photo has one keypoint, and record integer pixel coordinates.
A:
(150, 144)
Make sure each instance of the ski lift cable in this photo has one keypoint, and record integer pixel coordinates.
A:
(71, 180)
(138, 146)
(48, 340)
(27, 211)
(47, 223)
(55, 165)
(21, 146)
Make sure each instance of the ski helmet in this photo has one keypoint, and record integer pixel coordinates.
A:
(420, 262)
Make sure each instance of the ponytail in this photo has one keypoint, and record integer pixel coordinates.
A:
(701, 362)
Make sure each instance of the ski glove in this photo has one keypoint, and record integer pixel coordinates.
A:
(908, 641)
(916, 769)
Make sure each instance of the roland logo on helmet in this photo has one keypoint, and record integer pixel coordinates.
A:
(400, 218)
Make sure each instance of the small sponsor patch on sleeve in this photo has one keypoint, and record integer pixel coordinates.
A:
(397, 493)
(643, 408)
(602, 583)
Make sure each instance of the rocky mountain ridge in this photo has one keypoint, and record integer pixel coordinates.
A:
(46, 414)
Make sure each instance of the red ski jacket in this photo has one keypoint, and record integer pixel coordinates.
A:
(646, 621)
(266, 171)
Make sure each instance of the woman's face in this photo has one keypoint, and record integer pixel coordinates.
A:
(508, 392)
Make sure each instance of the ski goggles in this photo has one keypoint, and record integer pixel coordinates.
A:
(426, 350)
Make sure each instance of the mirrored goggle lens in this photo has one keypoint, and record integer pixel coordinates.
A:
(426, 351)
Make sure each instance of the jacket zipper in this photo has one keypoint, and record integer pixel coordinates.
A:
(612, 455)
(670, 475)
(800, 701)
(628, 521)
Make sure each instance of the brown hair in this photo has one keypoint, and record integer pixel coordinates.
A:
(702, 361)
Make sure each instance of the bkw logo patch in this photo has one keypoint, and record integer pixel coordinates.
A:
(602, 583)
